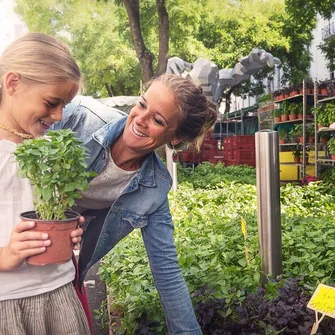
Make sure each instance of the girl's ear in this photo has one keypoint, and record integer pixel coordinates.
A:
(11, 82)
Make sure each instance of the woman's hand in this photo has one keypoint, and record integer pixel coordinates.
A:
(22, 244)
(76, 234)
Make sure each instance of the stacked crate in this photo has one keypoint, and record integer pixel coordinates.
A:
(239, 149)
(209, 149)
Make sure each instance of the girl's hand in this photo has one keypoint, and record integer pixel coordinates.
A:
(22, 244)
(76, 234)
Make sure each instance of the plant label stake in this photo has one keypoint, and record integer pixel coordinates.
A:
(322, 301)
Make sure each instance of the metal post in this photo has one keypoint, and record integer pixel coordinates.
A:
(304, 111)
(268, 196)
(172, 167)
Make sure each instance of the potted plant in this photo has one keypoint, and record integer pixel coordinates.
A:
(285, 111)
(331, 147)
(55, 165)
(310, 134)
(282, 133)
(323, 87)
(292, 111)
(309, 86)
(277, 115)
(321, 115)
(297, 132)
(296, 155)
(324, 137)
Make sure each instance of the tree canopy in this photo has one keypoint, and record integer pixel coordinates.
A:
(118, 42)
(305, 13)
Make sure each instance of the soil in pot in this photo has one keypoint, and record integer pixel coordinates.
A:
(61, 248)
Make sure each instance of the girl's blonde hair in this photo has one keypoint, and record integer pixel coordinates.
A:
(40, 58)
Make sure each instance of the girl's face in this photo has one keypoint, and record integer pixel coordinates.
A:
(153, 121)
(35, 106)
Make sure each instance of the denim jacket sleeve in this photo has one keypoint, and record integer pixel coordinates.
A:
(168, 278)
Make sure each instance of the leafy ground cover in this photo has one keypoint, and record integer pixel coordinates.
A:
(221, 264)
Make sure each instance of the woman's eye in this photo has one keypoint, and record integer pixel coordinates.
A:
(158, 121)
(51, 104)
(142, 105)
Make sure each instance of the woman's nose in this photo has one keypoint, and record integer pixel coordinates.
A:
(57, 114)
(142, 118)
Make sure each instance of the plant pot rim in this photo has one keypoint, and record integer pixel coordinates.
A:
(31, 216)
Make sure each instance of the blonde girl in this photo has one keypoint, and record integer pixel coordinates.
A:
(38, 77)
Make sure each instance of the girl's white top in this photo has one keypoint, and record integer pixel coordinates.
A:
(16, 197)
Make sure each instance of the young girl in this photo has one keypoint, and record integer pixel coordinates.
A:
(38, 77)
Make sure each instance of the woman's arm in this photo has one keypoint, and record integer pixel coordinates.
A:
(168, 278)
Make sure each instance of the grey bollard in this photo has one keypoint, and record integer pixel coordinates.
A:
(268, 196)
(172, 167)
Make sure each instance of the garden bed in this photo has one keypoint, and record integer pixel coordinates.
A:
(207, 211)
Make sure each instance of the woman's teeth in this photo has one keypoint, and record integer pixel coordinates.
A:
(138, 133)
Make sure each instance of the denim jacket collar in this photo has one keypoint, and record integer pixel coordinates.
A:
(108, 134)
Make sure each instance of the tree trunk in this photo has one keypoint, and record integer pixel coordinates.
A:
(163, 37)
(109, 90)
(144, 56)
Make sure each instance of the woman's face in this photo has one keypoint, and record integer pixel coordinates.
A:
(35, 107)
(153, 121)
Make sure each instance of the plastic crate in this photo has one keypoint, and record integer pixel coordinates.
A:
(243, 141)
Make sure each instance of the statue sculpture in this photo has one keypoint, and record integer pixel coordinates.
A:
(214, 81)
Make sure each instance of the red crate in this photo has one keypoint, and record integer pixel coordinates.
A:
(245, 155)
(243, 141)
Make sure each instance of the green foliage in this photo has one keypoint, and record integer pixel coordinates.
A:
(277, 112)
(331, 146)
(328, 178)
(304, 14)
(221, 31)
(282, 133)
(297, 153)
(208, 176)
(56, 165)
(211, 245)
(297, 130)
(98, 33)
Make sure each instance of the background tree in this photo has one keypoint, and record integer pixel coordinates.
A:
(118, 41)
(305, 12)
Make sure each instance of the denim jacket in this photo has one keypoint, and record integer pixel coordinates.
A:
(143, 204)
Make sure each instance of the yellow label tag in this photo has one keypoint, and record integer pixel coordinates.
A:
(323, 300)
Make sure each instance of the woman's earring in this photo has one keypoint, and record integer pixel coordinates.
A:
(174, 154)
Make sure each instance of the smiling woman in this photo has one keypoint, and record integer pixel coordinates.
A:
(131, 188)
(38, 76)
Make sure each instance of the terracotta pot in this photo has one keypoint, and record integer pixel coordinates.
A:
(284, 117)
(293, 93)
(323, 91)
(296, 160)
(310, 140)
(292, 117)
(277, 119)
(333, 157)
(300, 116)
(324, 140)
(309, 91)
(320, 126)
(301, 139)
(61, 248)
(281, 141)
